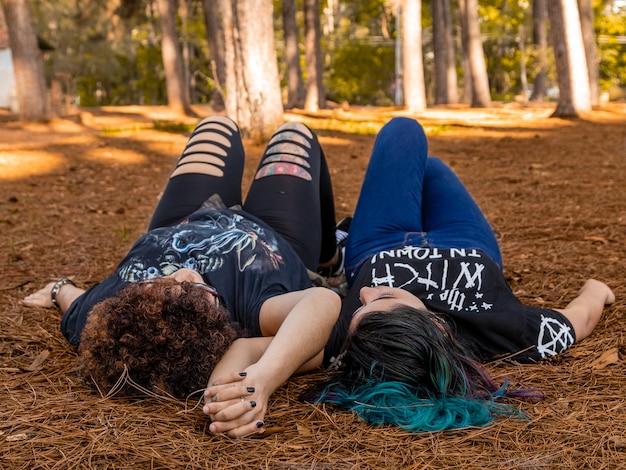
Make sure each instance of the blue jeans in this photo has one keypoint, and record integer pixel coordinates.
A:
(409, 198)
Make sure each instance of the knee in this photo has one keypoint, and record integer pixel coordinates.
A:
(404, 124)
(220, 120)
(402, 128)
(295, 127)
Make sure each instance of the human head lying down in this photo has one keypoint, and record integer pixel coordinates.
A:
(428, 301)
(162, 336)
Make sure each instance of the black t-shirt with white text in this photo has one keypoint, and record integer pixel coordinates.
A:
(470, 289)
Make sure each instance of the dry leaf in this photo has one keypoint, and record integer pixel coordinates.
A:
(20, 437)
(43, 355)
(303, 430)
(610, 356)
(602, 240)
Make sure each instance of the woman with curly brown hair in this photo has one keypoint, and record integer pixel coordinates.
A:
(218, 290)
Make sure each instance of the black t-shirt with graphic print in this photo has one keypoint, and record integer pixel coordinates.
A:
(470, 289)
(244, 259)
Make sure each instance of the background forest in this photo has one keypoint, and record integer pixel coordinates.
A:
(77, 190)
(107, 52)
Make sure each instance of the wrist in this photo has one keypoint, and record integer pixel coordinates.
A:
(56, 289)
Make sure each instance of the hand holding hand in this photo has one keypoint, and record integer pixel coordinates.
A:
(236, 405)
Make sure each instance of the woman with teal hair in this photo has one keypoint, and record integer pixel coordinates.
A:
(428, 301)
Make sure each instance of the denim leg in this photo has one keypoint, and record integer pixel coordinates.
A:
(451, 217)
(390, 202)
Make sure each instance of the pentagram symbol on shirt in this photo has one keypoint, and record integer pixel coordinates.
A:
(554, 337)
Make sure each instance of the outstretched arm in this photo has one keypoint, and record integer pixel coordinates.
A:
(43, 297)
(585, 310)
(253, 368)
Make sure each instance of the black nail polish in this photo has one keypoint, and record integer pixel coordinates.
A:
(242, 374)
(260, 424)
(252, 403)
(250, 389)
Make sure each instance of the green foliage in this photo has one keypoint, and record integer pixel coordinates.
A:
(108, 53)
(609, 27)
(362, 74)
(504, 24)
(173, 127)
(112, 56)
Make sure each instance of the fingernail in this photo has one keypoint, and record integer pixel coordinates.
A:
(260, 424)
(252, 403)
(250, 389)
(242, 374)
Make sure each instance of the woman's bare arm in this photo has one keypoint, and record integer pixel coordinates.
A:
(585, 310)
(297, 346)
(43, 297)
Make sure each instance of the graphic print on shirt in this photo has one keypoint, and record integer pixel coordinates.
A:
(204, 246)
(459, 285)
(554, 337)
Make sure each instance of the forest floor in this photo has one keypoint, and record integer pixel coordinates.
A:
(75, 193)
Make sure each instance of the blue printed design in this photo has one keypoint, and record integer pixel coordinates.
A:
(205, 246)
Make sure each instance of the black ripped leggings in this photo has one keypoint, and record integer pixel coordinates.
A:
(291, 191)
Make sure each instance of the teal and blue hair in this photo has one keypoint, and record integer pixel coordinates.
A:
(401, 367)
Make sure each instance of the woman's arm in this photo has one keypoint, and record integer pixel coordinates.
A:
(43, 297)
(585, 310)
(252, 370)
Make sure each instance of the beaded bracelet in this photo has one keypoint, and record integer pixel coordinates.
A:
(56, 288)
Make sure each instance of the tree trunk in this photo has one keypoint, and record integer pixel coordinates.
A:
(177, 91)
(30, 83)
(187, 47)
(451, 76)
(315, 92)
(589, 41)
(440, 52)
(215, 38)
(412, 63)
(476, 56)
(523, 73)
(467, 74)
(253, 96)
(295, 84)
(540, 40)
(569, 55)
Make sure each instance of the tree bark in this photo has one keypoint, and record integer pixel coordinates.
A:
(30, 83)
(481, 96)
(177, 91)
(523, 73)
(467, 74)
(412, 62)
(570, 60)
(315, 91)
(295, 85)
(589, 41)
(253, 97)
(451, 75)
(440, 52)
(215, 39)
(540, 40)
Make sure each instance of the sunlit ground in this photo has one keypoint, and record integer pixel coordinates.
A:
(14, 166)
(35, 149)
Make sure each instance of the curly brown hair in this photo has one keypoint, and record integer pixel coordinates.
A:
(166, 336)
